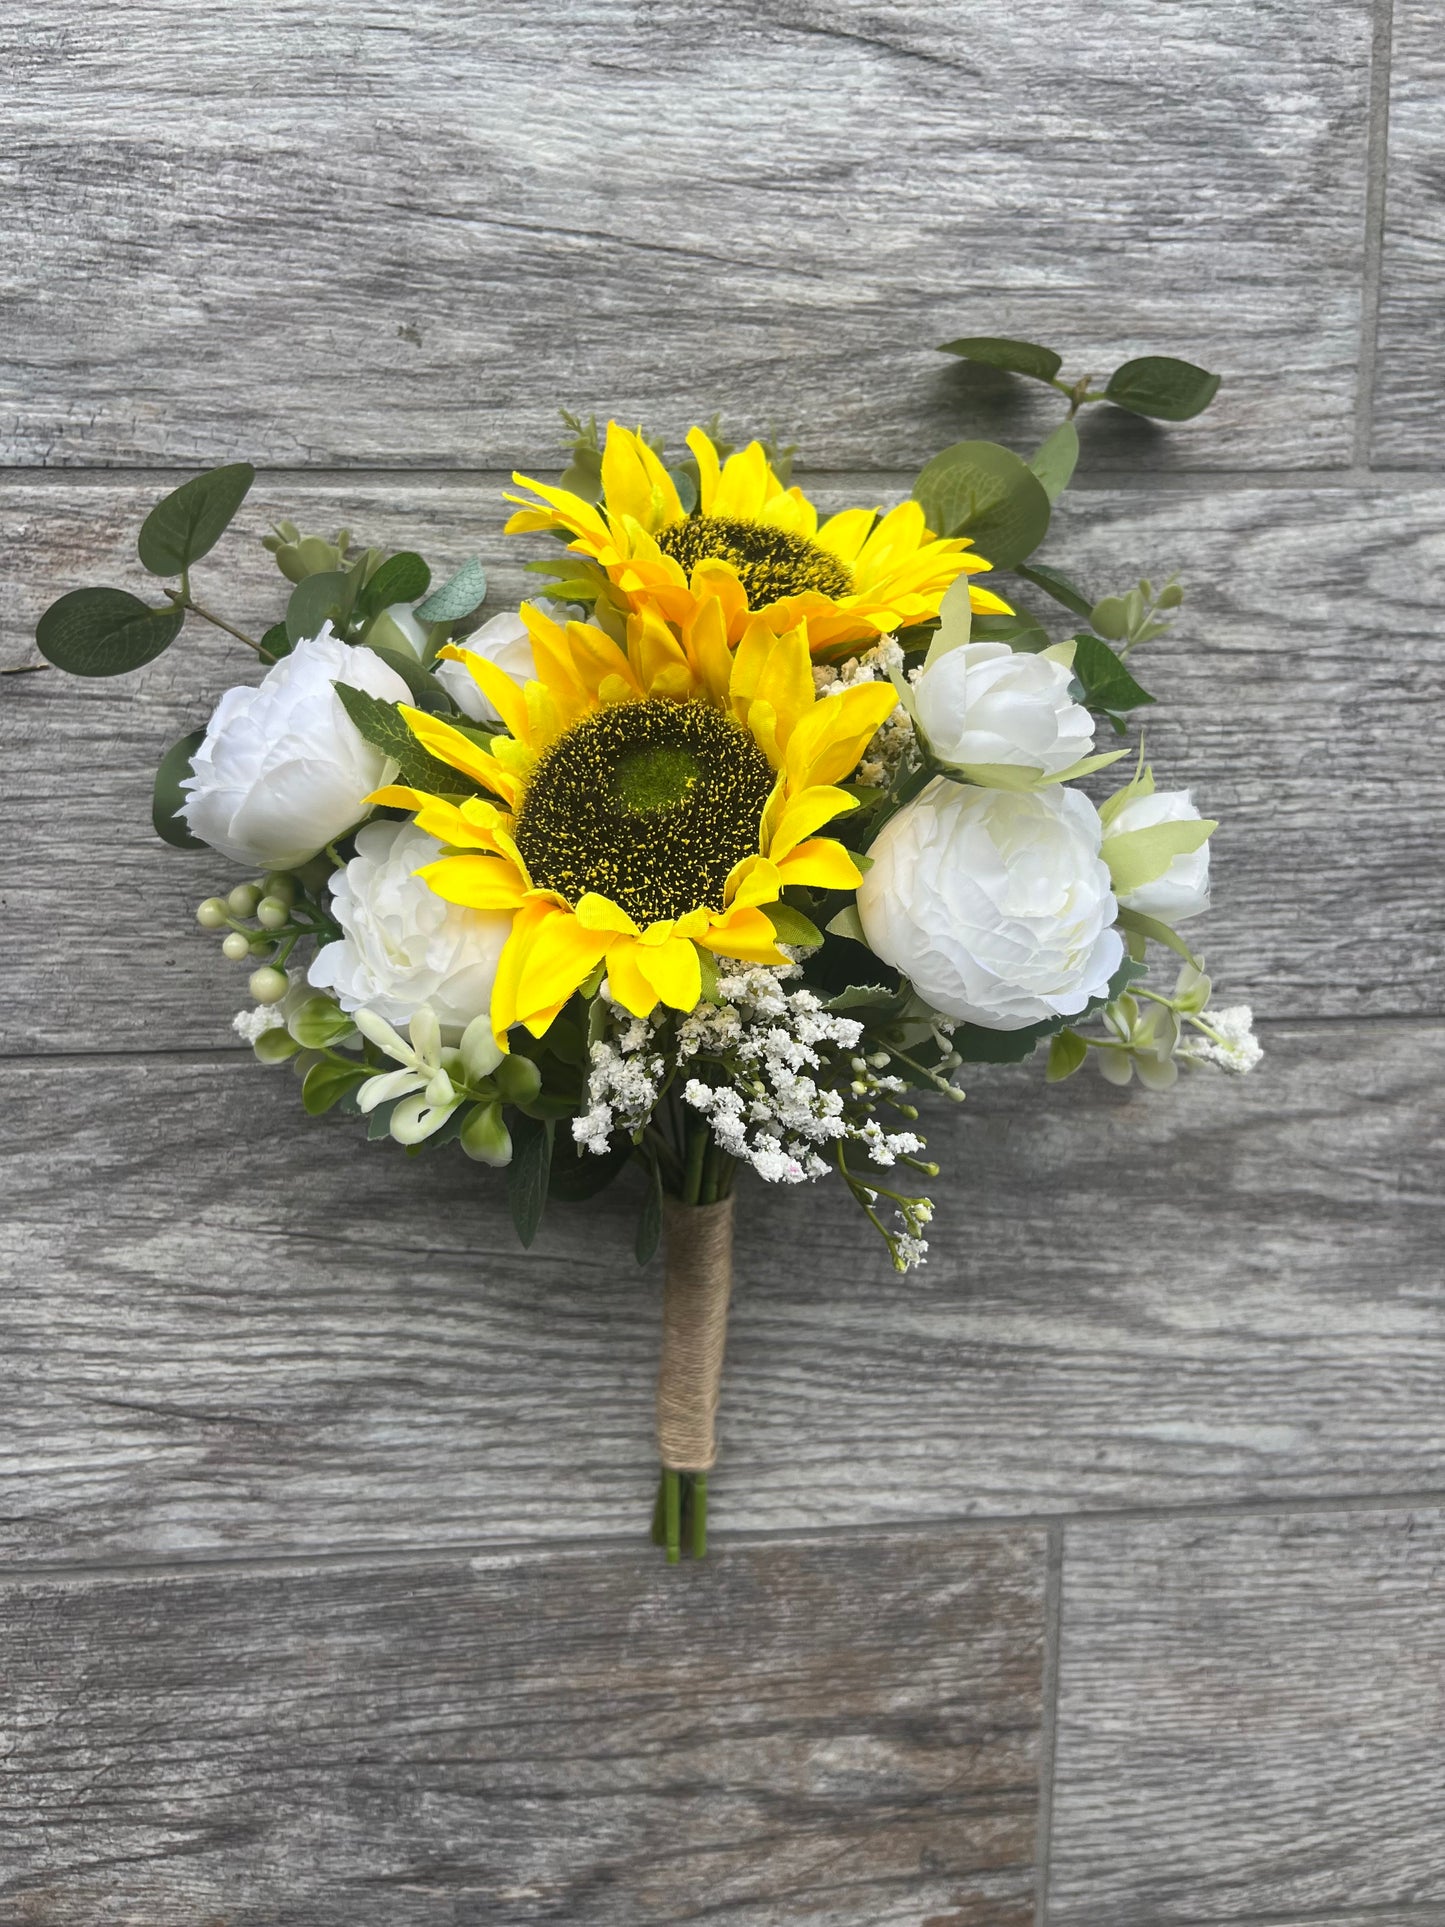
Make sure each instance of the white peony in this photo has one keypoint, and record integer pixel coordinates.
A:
(284, 770)
(986, 703)
(504, 641)
(1183, 890)
(996, 905)
(404, 946)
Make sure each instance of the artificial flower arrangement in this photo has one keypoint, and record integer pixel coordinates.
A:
(754, 828)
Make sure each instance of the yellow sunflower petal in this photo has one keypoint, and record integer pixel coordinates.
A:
(747, 935)
(801, 814)
(449, 746)
(561, 956)
(743, 487)
(634, 481)
(673, 971)
(984, 602)
(625, 980)
(844, 534)
(477, 882)
(600, 913)
(820, 864)
(568, 509)
(826, 745)
(708, 468)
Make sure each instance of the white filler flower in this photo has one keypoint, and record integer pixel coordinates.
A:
(504, 641)
(984, 703)
(996, 905)
(1183, 890)
(404, 947)
(283, 769)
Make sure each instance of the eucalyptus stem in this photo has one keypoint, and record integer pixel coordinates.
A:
(183, 599)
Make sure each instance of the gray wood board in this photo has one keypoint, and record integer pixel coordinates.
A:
(227, 1327)
(1410, 364)
(838, 1734)
(1250, 1720)
(1298, 700)
(408, 239)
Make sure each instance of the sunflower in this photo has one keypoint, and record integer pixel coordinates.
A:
(652, 800)
(753, 544)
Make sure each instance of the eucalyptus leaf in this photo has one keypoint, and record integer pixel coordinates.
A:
(168, 796)
(315, 601)
(275, 643)
(104, 632)
(1055, 461)
(983, 491)
(457, 596)
(1000, 351)
(1162, 388)
(404, 577)
(528, 1173)
(189, 522)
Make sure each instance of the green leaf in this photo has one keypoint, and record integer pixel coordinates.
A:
(1066, 1055)
(317, 1023)
(1107, 682)
(401, 578)
(1138, 925)
(383, 726)
(1110, 617)
(422, 684)
(791, 926)
(1020, 632)
(457, 596)
(189, 522)
(104, 632)
(578, 1175)
(485, 1136)
(276, 643)
(326, 1084)
(1054, 463)
(649, 1222)
(686, 485)
(315, 601)
(984, 491)
(847, 923)
(1164, 389)
(1055, 583)
(1137, 857)
(275, 1046)
(528, 1173)
(999, 351)
(168, 796)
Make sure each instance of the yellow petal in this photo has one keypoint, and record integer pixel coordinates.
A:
(673, 971)
(786, 681)
(561, 956)
(844, 534)
(743, 486)
(708, 468)
(568, 509)
(449, 746)
(478, 882)
(596, 912)
(625, 980)
(805, 812)
(826, 745)
(984, 602)
(820, 864)
(634, 481)
(747, 935)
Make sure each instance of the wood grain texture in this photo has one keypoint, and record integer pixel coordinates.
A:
(226, 1328)
(433, 223)
(1410, 356)
(805, 1735)
(1250, 1720)
(1291, 723)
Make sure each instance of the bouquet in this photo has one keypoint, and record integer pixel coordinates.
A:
(754, 830)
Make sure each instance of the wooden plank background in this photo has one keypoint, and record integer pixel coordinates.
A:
(1092, 1577)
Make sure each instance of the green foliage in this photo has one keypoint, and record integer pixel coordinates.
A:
(104, 632)
(458, 596)
(1162, 388)
(326, 1083)
(791, 926)
(984, 491)
(403, 577)
(383, 726)
(1055, 583)
(1020, 631)
(484, 1135)
(317, 600)
(649, 1220)
(189, 522)
(528, 1174)
(1107, 683)
(1135, 618)
(583, 473)
(578, 1175)
(1055, 460)
(167, 796)
(1067, 1053)
(275, 643)
(999, 351)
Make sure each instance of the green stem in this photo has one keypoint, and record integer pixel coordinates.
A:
(184, 600)
(698, 1136)
(699, 1515)
(672, 1513)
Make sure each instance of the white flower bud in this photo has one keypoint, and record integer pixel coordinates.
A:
(212, 914)
(237, 947)
(268, 985)
(243, 900)
(1183, 890)
(272, 913)
(985, 703)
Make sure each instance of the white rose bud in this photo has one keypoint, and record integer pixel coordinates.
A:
(996, 905)
(986, 703)
(1183, 890)
(399, 628)
(404, 946)
(504, 641)
(284, 770)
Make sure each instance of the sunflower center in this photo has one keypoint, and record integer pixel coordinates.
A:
(649, 804)
(770, 562)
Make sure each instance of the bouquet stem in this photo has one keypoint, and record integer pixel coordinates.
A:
(697, 1283)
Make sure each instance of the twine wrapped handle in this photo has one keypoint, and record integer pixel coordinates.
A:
(696, 1287)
